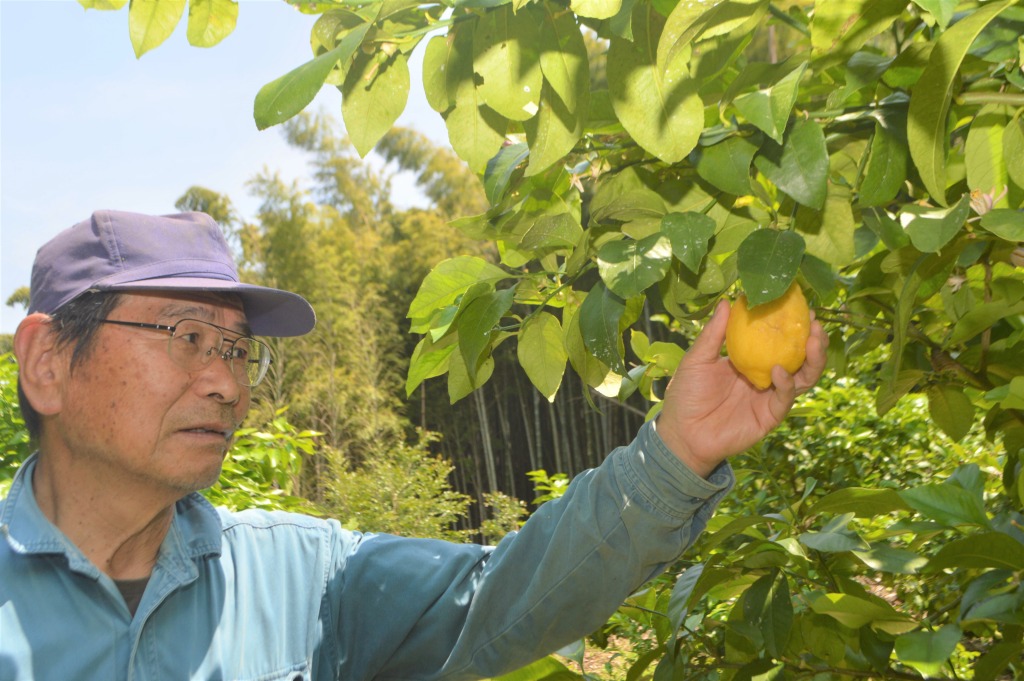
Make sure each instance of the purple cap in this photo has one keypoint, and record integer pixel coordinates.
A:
(118, 251)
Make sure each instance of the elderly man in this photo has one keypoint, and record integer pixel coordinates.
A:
(136, 364)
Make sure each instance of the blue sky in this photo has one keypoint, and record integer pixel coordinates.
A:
(84, 125)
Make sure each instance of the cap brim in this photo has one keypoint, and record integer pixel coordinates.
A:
(269, 311)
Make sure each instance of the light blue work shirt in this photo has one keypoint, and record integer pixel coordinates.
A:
(267, 596)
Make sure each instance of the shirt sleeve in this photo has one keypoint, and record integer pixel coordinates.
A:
(405, 609)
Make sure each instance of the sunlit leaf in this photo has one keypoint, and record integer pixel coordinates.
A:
(931, 97)
(554, 131)
(982, 550)
(506, 58)
(151, 22)
(942, 10)
(983, 152)
(596, 9)
(928, 651)
(373, 97)
(542, 354)
(450, 279)
(930, 229)
(660, 109)
(629, 267)
(770, 106)
(689, 234)
(210, 21)
(279, 100)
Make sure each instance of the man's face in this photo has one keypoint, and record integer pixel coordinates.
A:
(130, 409)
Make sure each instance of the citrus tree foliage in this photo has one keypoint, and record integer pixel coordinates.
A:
(854, 546)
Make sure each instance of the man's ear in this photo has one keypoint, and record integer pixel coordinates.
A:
(42, 366)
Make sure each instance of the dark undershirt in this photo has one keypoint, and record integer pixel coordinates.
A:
(132, 590)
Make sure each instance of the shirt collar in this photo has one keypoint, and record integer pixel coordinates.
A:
(195, 530)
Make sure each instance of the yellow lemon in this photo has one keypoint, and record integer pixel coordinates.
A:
(773, 333)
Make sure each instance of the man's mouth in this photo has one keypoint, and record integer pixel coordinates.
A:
(219, 431)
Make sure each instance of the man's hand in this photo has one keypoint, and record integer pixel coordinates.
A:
(711, 412)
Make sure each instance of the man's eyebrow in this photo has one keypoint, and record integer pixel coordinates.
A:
(175, 312)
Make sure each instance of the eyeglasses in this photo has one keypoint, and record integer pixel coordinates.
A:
(193, 345)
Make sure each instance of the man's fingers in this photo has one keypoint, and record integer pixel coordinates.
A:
(814, 365)
(708, 345)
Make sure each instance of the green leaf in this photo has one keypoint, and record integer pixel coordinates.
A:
(777, 620)
(981, 317)
(506, 57)
(726, 165)
(629, 267)
(884, 558)
(689, 21)
(1004, 223)
(542, 354)
(841, 27)
(592, 370)
(862, 502)
(599, 317)
(461, 382)
(435, 74)
(499, 170)
(983, 152)
(952, 410)
(800, 165)
(768, 261)
(279, 100)
(834, 539)
(476, 324)
(373, 97)
(476, 131)
(553, 132)
(829, 233)
(547, 669)
(103, 5)
(767, 605)
(428, 360)
(681, 592)
(449, 280)
(660, 109)
(689, 234)
(928, 651)
(769, 108)
(885, 228)
(596, 9)
(948, 504)
(886, 168)
(982, 550)
(1013, 150)
(855, 612)
(942, 10)
(931, 96)
(931, 229)
(210, 21)
(563, 59)
(151, 22)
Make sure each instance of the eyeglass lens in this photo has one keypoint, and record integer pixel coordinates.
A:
(194, 344)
